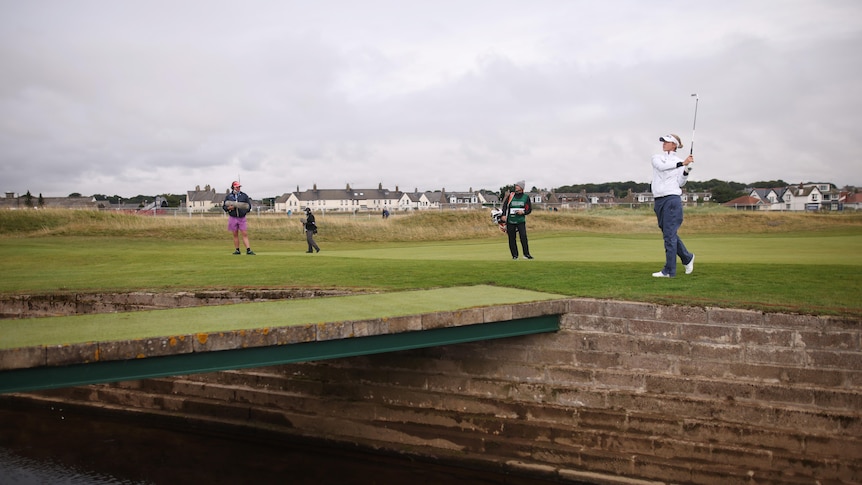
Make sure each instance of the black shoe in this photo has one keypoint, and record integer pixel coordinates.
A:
(237, 251)
(528, 256)
(309, 251)
(317, 250)
(514, 258)
(249, 252)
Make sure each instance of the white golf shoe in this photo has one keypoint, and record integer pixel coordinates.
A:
(689, 268)
(659, 274)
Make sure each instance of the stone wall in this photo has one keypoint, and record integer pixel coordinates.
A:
(624, 392)
(64, 304)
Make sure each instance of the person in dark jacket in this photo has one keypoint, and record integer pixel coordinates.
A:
(310, 231)
(516, 207)
(237, 204)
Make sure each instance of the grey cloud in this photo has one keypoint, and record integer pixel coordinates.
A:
(151, 97)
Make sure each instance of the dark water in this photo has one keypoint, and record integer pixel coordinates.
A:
(51, 445)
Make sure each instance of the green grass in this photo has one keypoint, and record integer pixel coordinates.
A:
(806, 263)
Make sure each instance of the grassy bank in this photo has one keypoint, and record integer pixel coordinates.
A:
(783, 262)
(414, 226)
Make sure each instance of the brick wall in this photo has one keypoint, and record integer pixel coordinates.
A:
(623, 392)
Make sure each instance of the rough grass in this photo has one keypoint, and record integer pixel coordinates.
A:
(415, 226)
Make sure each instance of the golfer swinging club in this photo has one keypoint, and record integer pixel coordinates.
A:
(237, 204)
(669, 174)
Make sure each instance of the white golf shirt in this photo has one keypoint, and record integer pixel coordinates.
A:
(668, 174)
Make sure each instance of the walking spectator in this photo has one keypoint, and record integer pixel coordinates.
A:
(310, 231)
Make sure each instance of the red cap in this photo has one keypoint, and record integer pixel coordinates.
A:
(235, 184)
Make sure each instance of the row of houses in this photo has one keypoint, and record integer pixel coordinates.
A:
(352, 200)
(802, 197)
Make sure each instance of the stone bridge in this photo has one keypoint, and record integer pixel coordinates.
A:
(621, 392)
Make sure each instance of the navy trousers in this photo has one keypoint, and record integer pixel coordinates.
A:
(668, 210)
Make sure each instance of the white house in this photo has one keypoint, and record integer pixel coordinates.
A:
(203, 200)
(415, 201)
(802, 197)
(343, 200)
(288, 202)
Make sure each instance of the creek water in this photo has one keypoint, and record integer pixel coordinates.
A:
(46, 444)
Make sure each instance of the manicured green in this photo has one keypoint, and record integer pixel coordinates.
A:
(784, 262)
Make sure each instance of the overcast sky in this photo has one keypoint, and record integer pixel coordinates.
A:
(150, 97)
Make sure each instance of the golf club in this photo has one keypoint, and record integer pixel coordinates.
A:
(694, 124)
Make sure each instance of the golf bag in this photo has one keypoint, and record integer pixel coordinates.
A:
(497, 217)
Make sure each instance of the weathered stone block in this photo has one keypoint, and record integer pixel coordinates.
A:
(538, 309)
(720, 316)
(334, 330)
(681, 314)
(844, 360)
(654, 328)
(663, 346)
(668, 384)
(775, 355)
(22, 358)
(72, 354)
(829, 340)
(365, 328)
(720, 334)
(717, 352)
(598, 359)
(141, 348)
(585, 306)
(411, 323)
(256, 337)
(498, 313)
(209, 342)
(766, 337)
(629, 310)
(295, 334)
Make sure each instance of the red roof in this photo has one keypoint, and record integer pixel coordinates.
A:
(745, 200)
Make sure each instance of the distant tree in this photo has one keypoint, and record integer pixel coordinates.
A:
(74, 194)
(725, 192)
(505, 190)
(620, 189)
(173, 200)
(28, 199)
(41, 200)
(770, 184)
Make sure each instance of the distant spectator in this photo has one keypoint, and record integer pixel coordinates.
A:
(310, 231)
(237, 204)
(516, 207)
